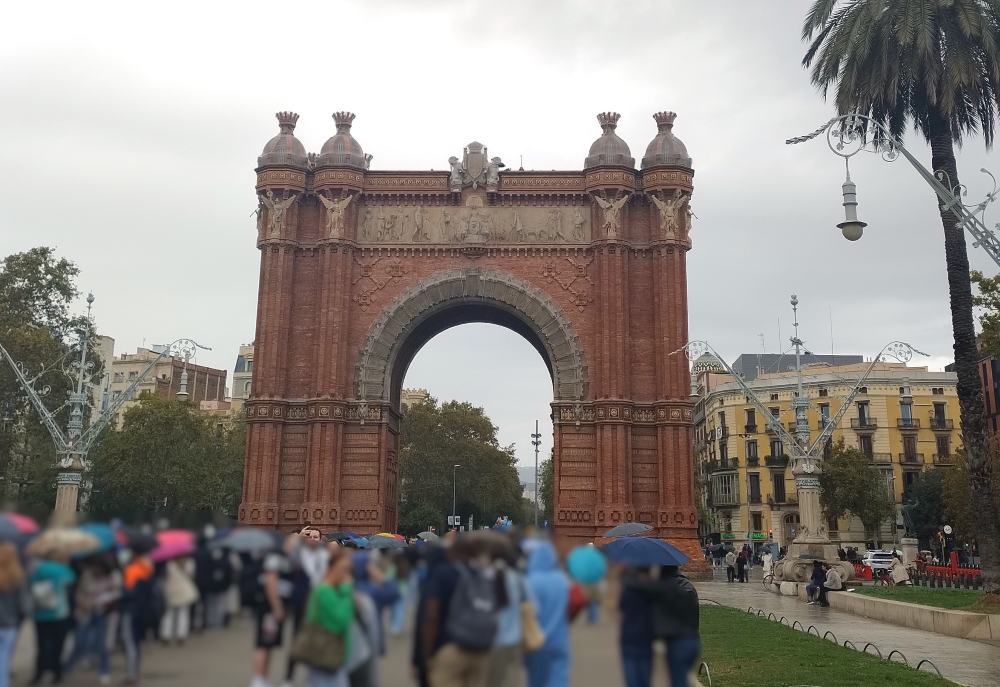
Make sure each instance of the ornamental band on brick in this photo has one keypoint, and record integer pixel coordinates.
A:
(361, 267)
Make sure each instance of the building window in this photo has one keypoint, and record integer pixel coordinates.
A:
(823, 393)
(863, 413)
(754, 487)
(937, 391)
(824, 415)
(119, 377)
(722, 419)
(865, 445)
(944, 445)
(778, 484)
(249, 366)
(832, 525)
(906, 414)
(774, 397)
(132, 375)
(775, 411)
(910, 448)
(889, 480)
(751, 424)
(863, 390)
(723, 451)
(726, 489)
(757, 520)
(752, 449)
(939, 411)
(910, 478)
(776, 448)
(246, 388)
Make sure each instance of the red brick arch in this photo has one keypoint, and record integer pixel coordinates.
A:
(359, 268)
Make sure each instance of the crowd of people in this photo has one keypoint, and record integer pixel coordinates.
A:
(489, 608)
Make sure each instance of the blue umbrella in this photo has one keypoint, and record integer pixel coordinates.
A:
(105, 537)
(586, 565)
(644, 552)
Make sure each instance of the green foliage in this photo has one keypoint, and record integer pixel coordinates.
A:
(957, 493)
(988, 299)
(848, 484)
(929, 513)
(930, 63)
(925, 596)
(546, 491)
(434, 439)
(746, 651)
(168, 458)
(36, 328)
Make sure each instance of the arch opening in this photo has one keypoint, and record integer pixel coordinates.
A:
(455, 297)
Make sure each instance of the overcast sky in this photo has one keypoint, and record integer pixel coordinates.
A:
(130, 132)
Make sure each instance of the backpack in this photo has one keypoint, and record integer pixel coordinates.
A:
(473, 616)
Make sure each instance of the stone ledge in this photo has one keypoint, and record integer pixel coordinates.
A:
(963, 624)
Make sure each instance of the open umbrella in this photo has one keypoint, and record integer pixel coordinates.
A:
(644, 552)
(390, 542)
(628, 529)
(105, 537)
(22, 523)
(173, 544)
(63, 542)
(136, 539)
(250, 539)
(428, 536)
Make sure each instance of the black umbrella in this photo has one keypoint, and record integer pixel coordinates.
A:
(386, 543)
(628, 529)
(137, 539)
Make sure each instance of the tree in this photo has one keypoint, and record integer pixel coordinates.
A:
(36, 328)
(434, 439)
(958, 504)
(546, 490)
(929, 513)
(168, 458)
(937, 65)
(848, 484)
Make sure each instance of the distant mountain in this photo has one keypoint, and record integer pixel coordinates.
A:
(526, 475)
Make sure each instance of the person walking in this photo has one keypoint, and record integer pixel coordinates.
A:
(636, 637)
(504, 666)
(137, 601)
(550, 588)
(50, 584)
(275, 586)
(741, 566)
(98, 593)
(731, 565)
(15, 604)
(675, 614)
(331, 606)
(180, 594)
(310, 561)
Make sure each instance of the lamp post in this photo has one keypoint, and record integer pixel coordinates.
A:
(454, 496)
(536, 441)
(73, 446)
(812, 538)
(847, 136)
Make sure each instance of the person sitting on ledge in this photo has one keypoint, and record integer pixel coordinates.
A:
(817, 580)
(833, 584)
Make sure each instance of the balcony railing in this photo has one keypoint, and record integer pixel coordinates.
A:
(880, 458)
(943, 459)
(753, 461)
(822, 423)
(864, 423)
(776, 461)
(727, 464)
(911, 457)
(907, 423)
(750, 429)
(785, 501)
(941, 424)
(725, 431)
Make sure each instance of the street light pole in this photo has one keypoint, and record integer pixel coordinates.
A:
(454, 496)
(73, 446)
(806, 458)
(536, 441)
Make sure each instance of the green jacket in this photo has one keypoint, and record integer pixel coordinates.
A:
(333, 609)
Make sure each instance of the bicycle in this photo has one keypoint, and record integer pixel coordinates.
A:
(768, 581)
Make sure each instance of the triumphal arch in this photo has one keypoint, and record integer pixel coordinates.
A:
(361, 267)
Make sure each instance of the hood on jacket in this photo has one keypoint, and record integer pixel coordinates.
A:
(359, 567)
(543, 558)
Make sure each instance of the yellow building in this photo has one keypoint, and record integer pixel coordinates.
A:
(905, 419)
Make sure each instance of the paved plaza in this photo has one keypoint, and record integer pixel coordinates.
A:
(222, 659)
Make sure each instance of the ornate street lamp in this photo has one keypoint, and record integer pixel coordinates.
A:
(73, 446)
(848, 135)
(812, 539)
(536, 441)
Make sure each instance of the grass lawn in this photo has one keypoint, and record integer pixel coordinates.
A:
(955, 599)
(743, 650)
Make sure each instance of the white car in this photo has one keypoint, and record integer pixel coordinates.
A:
(877, 559)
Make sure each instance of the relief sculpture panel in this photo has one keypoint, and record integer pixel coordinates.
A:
(475, 222)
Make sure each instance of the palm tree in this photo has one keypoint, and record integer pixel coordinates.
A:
(935, 63)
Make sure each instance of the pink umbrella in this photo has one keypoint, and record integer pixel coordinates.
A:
(176, 549)
(165, 537)
(23, 523)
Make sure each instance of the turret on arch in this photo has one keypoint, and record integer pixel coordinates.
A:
(360, 268)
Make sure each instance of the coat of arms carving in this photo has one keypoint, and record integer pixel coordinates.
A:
(475, 169)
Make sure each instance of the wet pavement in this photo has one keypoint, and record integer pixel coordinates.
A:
(963, 661)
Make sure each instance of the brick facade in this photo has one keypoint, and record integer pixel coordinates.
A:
(359, 268)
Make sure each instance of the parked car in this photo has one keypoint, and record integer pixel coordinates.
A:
(877, 559)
